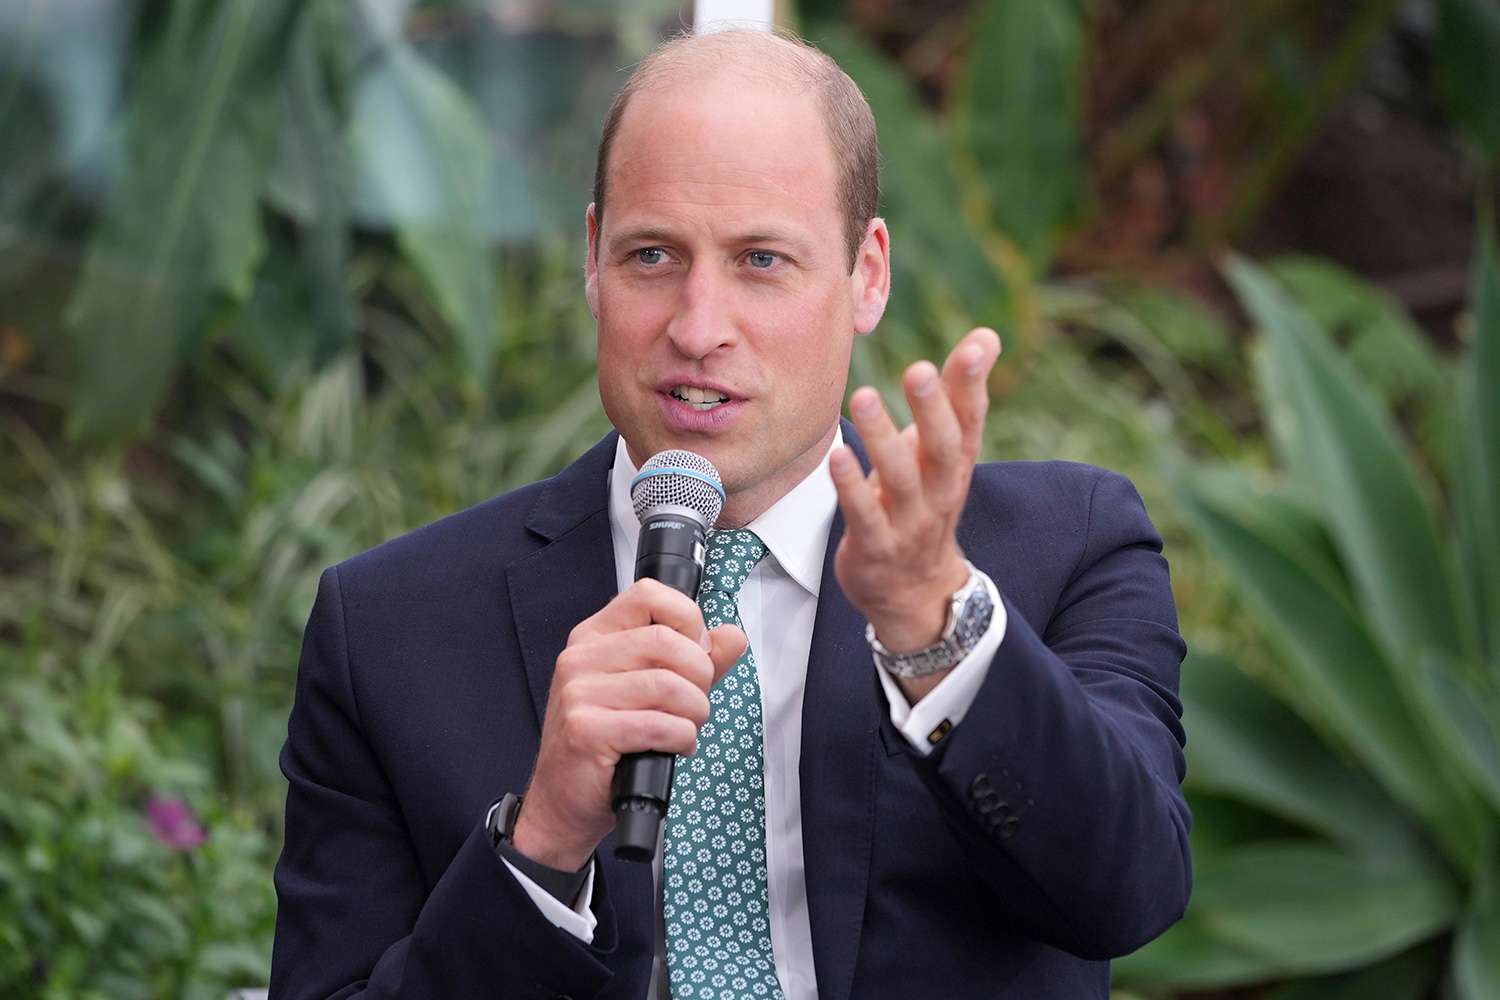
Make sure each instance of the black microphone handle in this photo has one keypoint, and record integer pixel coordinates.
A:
(670, 549)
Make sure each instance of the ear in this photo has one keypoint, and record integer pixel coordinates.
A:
(871, 280)
(591, 264)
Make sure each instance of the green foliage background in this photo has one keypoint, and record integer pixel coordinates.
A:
(280, 279)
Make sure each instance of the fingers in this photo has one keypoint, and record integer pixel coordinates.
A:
(633, 677)
(607, 734)
(728, 645)
(938, 434)
(966, 380)
(864, 516)
(637, 649)
(900, 476)
(654, 688)
(927, 463)
(625, 706)
(646, 602)
(936, 437)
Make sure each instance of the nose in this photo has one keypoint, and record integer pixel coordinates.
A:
(704, 319)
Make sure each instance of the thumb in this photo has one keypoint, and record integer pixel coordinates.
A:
(729, 644)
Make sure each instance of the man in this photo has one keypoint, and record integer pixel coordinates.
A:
(975, 796)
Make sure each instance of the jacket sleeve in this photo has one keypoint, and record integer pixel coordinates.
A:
(1063, 780)
(355, 916)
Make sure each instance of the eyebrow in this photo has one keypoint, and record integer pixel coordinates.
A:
(657, 234)
(771, 236)
(644, 234)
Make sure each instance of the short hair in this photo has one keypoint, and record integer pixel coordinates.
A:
(796, 63)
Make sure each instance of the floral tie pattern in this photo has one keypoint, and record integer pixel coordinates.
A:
(714, 899)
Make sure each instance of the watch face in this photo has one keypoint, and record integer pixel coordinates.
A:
(973, 619)
(970, 620)
(502, 818)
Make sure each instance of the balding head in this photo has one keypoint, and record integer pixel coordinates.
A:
(784, 61)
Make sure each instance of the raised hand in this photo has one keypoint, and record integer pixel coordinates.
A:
(899, 560)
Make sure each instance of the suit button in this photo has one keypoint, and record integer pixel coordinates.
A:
(981, 786)
(1008, 827)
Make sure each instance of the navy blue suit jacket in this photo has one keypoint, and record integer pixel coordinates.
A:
(1045, 834)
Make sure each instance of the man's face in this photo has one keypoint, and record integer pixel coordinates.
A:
(720, 282)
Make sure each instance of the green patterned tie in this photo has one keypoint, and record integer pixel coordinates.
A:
(714, 901)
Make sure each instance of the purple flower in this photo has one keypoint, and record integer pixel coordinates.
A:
(173, 824)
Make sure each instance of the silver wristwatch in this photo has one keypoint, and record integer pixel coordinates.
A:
(969, 616)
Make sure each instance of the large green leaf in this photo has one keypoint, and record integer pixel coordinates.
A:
(1338, 671)
(1476, 473)
(1020, 117)
(424, 166)
(1246, 744)
(1383, 343)
(311, 182)
(1190, 956)
(181, 230)
(1278, 910)
(1354, 466)
(1278, 396)
(1408, 976)
(1476, 951)
(1466, 714)
(1311, 908)
(935, 253)
(1223, 822)
(1184, 326)
(1468, 38)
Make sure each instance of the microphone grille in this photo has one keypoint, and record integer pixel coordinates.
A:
(678, 478)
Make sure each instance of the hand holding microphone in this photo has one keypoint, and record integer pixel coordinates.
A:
(632, 679)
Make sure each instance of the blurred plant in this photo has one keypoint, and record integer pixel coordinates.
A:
(193, 562)
(327, 297)
(1349, 802)
(1186, 121)
(977, 199)
(1468, 37)
(265, 157)
(101, 896)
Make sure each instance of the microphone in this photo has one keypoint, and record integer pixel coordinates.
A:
(677, 495)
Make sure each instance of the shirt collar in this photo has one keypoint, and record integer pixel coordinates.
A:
(794, 529)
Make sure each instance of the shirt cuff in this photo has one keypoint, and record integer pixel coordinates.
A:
(578, 920)
(926, 723)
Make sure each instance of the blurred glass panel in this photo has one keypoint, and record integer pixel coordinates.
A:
(185, 167)
(61, 68)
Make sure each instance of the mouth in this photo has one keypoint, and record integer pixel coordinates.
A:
(698, 397)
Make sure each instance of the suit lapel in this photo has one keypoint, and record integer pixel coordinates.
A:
(573, 574)
(553, 589)
(840, 722)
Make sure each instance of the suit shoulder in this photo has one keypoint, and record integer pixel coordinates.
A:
(1059, 506)
(1051, 490)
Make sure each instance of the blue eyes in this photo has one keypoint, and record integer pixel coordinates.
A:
(761, 260)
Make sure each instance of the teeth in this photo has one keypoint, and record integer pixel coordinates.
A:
(699, 399)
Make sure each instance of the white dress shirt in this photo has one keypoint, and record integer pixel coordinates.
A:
(783, 589)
